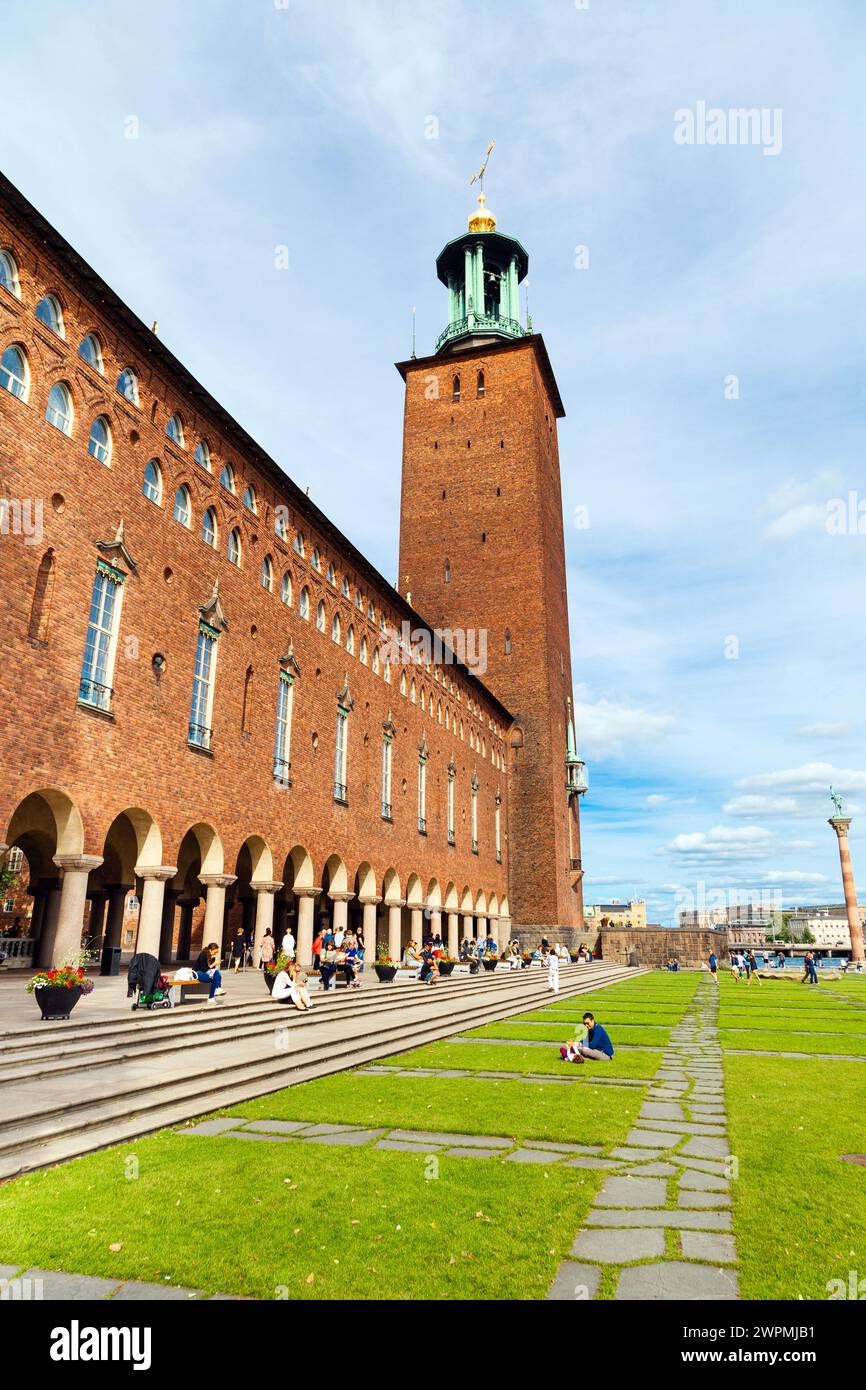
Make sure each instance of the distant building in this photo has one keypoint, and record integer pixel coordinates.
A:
(617, 914)
(828, 925)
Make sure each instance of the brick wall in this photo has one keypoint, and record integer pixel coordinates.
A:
(690, 948)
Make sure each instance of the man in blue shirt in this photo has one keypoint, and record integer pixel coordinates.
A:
(598, 1046)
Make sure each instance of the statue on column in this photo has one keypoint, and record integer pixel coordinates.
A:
(837, 801)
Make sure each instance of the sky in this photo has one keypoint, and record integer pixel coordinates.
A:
(272, 182)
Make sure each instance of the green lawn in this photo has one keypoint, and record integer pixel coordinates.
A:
(799, 1214)
(793, 1042)
(621, 1034)
(539, 1060)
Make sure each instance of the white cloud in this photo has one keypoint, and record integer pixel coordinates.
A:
(757, 805)
(809, 516)
(722, 843)
(791, 877)
(606, 728)
(820, 730)
(810, 777)
(656, 799)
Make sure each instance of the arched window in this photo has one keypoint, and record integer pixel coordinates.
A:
(371, 613)
(363, 652)
(316, 560)
(447, 571)
(9, 274)
(234, 549)
(387, 670)
(209, 528)
(286, 588)
(320, 616)
(336, 630)
(375, 664)
(152, 486)
(268, 574)
(508, 641)
(227, 478)
(250, 499)
(479, 390)
(15, 373)
(332, 576)
(455, 390)
(49, 312)
(402, 682)
(350, 641)
(359, 602)
(344, 587)
(99, 443)
(423, 700)
(90, 349)
(182, 512)
(299, 543)
(174, 430)
(281, 524)
(305, 604)
(202, 454)
(127, 385)
(58, 412)
(412, 693)
(439, 711)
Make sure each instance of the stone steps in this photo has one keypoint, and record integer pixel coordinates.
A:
(130, 1098)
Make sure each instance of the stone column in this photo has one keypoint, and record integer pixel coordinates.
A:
(340, 910)
(114, 917)
(513, 291)
(480, 927)
(395, 921)
(453, 934)
(416, 927)
(64, 941)
(468, 276)
(49, 890)
(493, 928)
(264, 913)
(304, 945)
(840, 825)
(147, 939)
(468, 926)
(504, 932)
(215, 907)
(369, 928)
(96, 924)
(435, 921)
(166, 930)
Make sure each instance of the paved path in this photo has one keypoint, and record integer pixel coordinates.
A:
(19, 1284)
(663, 1225)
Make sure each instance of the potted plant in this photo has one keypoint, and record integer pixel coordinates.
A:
(59, 990)
(446, 965)
(490, 960)
(526, 960)
(273, 968)
(385, 967)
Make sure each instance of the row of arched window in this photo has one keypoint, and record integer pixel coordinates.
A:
(455, 387)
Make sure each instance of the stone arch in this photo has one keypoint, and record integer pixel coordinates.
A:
(335, 875)
(414, 891)
(48, 813)
(452, 902)
(466, 905)
(209, 845)
(434, 894)
(261, 859)
(391, 887)
(365, 881)
(480, 903)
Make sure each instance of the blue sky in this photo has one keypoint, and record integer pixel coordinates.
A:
(308, 126)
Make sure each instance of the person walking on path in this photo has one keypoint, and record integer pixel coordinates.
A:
(239, 949)
(553, 972)
(714, 967)
(752, 963)
(267, 949)
(289, 945)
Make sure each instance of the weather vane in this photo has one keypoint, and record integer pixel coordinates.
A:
(480, 173)
(837, 801)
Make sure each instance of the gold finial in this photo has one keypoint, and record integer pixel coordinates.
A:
(482, 220)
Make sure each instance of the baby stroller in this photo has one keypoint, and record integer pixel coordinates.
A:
(146, 980)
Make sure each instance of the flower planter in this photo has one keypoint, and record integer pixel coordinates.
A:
(446, 967)
(490, 964)
(385, 973)
(56, 1001)
(269, 980)
(473, 967)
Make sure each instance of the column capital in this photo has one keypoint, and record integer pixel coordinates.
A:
(160, 872)
(395, 902)
(77, 863)
(369, 902)
(340, 897)
(839, 823)
(219, 880)
(306, 892)
(273, 886)
(3, 848)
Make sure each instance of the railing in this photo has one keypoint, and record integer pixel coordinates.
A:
(422, 825)
(510, 327)
(341, 793)
(574, 864)
(199, 736)
(17, 947)
(92, 693)
(451, 838)
(499, 856)
(282, 772)
(474, 846)
(386, 810)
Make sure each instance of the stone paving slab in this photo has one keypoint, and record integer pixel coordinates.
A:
(210, 1127)
(76, 1288)
(262, 1138)
(703, 1199)
(698, 1181)
(706, 1148)
(7, 1271)
(403, 1146)
(617, 1247)
(673, 1280)
(661, 1110)
(136, 1292)
(422, 1136)
(653, 1170)
(637, 1154)
(472, 1153)
(715, 1249)
(651, 1139)
(276, 1126)
(531, 1156)
(574, 1282)
(315, 1130)
(632, 1192)
(587, 1161)
(564, 1148)
(353, 1139)
(676, 1220)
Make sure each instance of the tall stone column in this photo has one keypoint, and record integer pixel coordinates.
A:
(453, 934)
(417, 924)
(215, 907)
(114, 917)
(468, 281)
(840, 825)
(435, 921)
(96, 923)
(369, 928)
(395, 923)
(264, 913)
(504, 932)
(147, 940)
(480, 927)
(306, 911)
(50, 892)
(340, 910)
(468, 926)
(66, 943)
(166, 930)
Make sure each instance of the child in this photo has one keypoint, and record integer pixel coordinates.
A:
(553, 972)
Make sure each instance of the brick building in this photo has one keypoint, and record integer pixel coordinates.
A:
(219, 703)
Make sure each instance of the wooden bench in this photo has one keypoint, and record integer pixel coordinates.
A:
(180, 988)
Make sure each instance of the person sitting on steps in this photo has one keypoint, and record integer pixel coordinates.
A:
(207, 968)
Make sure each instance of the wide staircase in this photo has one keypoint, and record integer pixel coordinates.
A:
(69, 1088)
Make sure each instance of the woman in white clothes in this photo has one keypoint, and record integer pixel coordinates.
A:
(290, 986)
(553, 971)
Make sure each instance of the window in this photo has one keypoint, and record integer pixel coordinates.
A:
(249, 499)
(299, 544)
(359, 602)
(455, 390)
(90, 349)
(174, 430)
(101, 643)
(386, 777)
(9, 274)
(305, 604)
(363, 652)
(479, 390)
(283, 738)
(49, 312)
(344, 587)
(202, 454)
(350, 641)
(281, 525)
(422, 794)
(58, 412)
(268, 574)
(450, 803)
(247, 707)
(402, 682)
(335, 629)
(209, 528)
(412, 693)
(341, 755)
(182, 512)
(201, 708)
(332, 576)
(15, 859)
(286, 588)
(371, 613)
(508, 641)
(498, 832)
(14, 373)
(375, 661)
(234, 547)
(227, 478)
(316, 560)
(152, 486)
(320, 616)
(387, 670)
(99, 443)
(127, 385)
(447, 571)
(474, 805)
